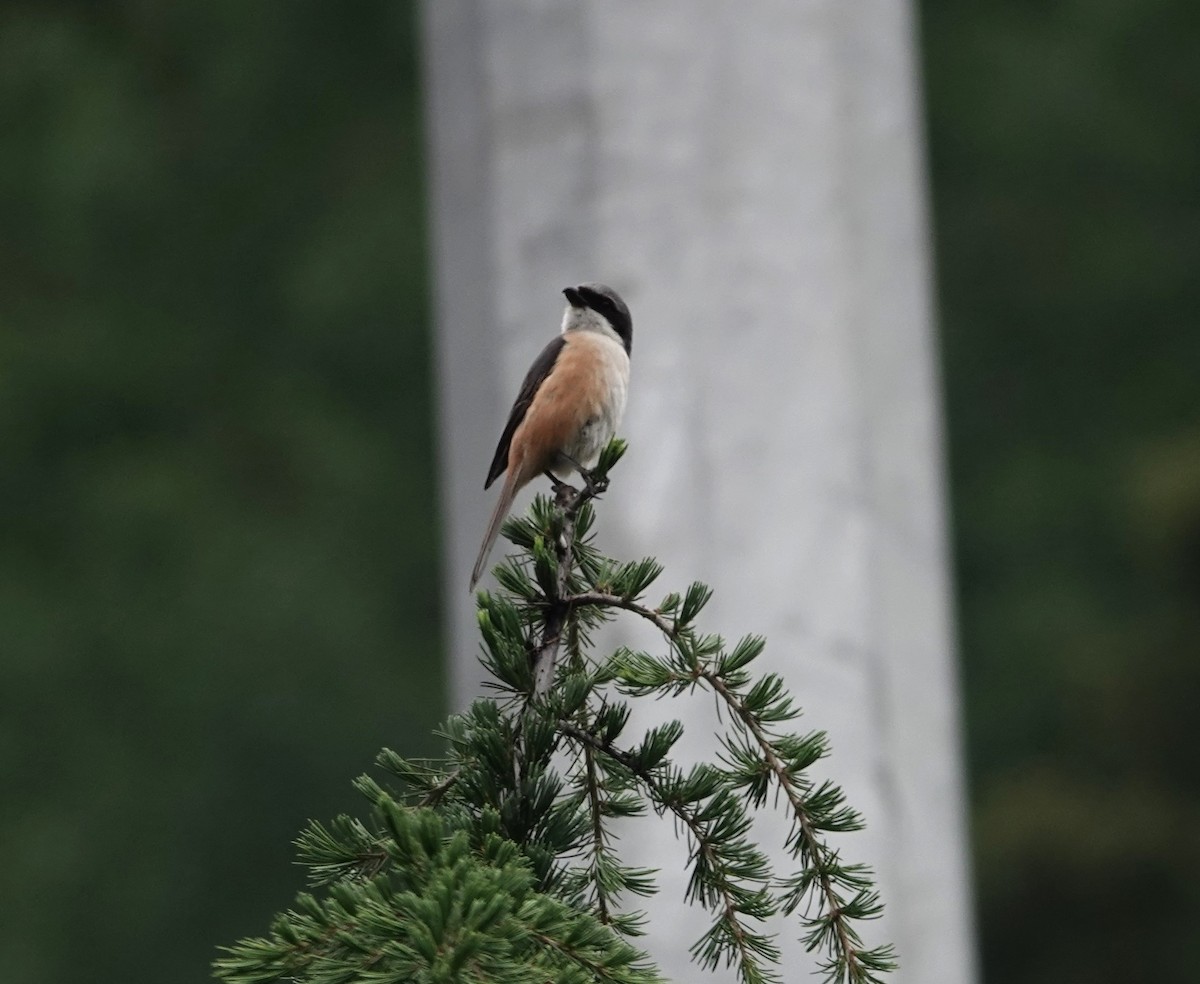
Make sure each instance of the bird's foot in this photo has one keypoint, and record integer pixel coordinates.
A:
(595, 484)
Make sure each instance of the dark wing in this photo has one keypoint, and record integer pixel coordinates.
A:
(533, 379)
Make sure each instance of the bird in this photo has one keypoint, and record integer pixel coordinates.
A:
(569, 405)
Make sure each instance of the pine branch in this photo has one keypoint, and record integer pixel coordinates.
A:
(598, 834)
(831, 928)
(568, 501)
(726, 872)
(846, 948)
(491, 866)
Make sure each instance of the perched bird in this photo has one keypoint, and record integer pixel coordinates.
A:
(570, 403)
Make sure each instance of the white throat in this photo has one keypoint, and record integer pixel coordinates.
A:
(585, 319)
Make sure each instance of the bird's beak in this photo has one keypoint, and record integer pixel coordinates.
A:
(574, 298)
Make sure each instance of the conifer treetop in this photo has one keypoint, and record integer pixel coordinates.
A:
(500, 861)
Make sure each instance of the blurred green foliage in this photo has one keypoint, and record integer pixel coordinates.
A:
(1065, 147)
(219, 524)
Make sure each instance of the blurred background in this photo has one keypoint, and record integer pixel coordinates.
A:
(218, 569)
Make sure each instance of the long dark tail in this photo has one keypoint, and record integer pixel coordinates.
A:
(503, 504)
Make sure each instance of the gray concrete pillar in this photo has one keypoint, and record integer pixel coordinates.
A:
(749, 176)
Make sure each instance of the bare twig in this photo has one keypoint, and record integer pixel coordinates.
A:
(663, 624)
(568, 500)
(434, 795)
